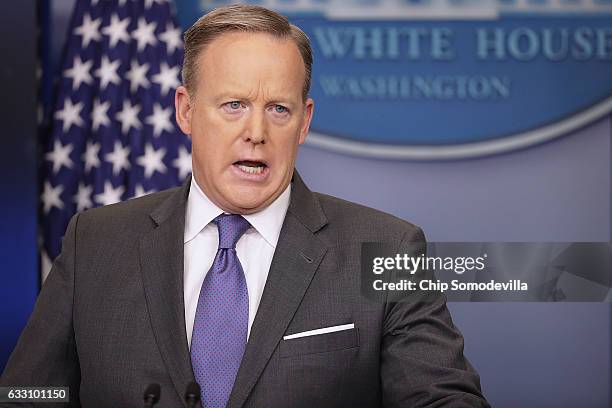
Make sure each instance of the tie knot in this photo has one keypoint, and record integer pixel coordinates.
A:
(231, 227)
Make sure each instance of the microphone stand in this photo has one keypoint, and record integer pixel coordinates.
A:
(151, 395)
(192, 394)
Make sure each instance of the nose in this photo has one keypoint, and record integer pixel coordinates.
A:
(256, 129)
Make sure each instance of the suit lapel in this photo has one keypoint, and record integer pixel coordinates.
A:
(161, 257)
(296, 259)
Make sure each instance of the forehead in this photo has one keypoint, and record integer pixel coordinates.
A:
(250, 63)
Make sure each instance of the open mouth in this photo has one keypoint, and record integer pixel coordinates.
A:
(251, 167)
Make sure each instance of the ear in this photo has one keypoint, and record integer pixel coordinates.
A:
(184, 109)
(308, 111)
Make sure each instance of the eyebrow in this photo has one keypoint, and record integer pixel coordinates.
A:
(242, 96)
(230, 95)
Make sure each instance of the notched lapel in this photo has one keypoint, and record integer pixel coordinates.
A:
(161, 259)
(296, 259)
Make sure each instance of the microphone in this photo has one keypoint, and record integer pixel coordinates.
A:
(192, 394)
(151, 395)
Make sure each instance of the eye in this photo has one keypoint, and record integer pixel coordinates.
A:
(280, 109)
(234, 104)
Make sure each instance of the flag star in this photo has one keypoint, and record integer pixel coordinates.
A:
(90, 157)
(51, 197)
(183, 162)
(70, 114)
(83, 197)
(172, 38)
(152, 160)
(108, 72)
(144, 34)
(89, 30)
(137, 75)
(128, 117)
(110, 195)
(167, 78)
(79, 73)
(160, 120)
(119, 158)
(140, 191)
(99, 114)
(117, 30)
(60, 155)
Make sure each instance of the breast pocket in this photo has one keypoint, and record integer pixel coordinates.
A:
(320, 343)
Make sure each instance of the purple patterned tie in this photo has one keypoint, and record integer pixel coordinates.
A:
(222, 317)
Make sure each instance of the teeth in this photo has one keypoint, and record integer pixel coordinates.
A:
(251, 170)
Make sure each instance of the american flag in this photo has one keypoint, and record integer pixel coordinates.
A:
(113, 134)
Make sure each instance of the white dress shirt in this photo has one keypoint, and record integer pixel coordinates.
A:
(255, 248)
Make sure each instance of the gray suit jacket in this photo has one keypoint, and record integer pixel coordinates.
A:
(110, 317)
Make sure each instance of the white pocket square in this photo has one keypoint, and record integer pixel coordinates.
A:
(322, 330)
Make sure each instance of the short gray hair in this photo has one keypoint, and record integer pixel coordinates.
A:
(241, 18)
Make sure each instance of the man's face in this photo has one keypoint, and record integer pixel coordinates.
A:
(246, 119)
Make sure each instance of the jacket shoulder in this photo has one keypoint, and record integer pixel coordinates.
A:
(130, 214)
(365, 223)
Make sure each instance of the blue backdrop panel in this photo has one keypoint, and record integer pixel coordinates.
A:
(18, 164)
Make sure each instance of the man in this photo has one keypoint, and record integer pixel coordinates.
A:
(168, 288)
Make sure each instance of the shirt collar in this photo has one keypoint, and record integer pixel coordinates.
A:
(201, 211)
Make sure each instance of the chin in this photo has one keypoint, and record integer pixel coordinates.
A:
(251, 195)
(246, 205)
